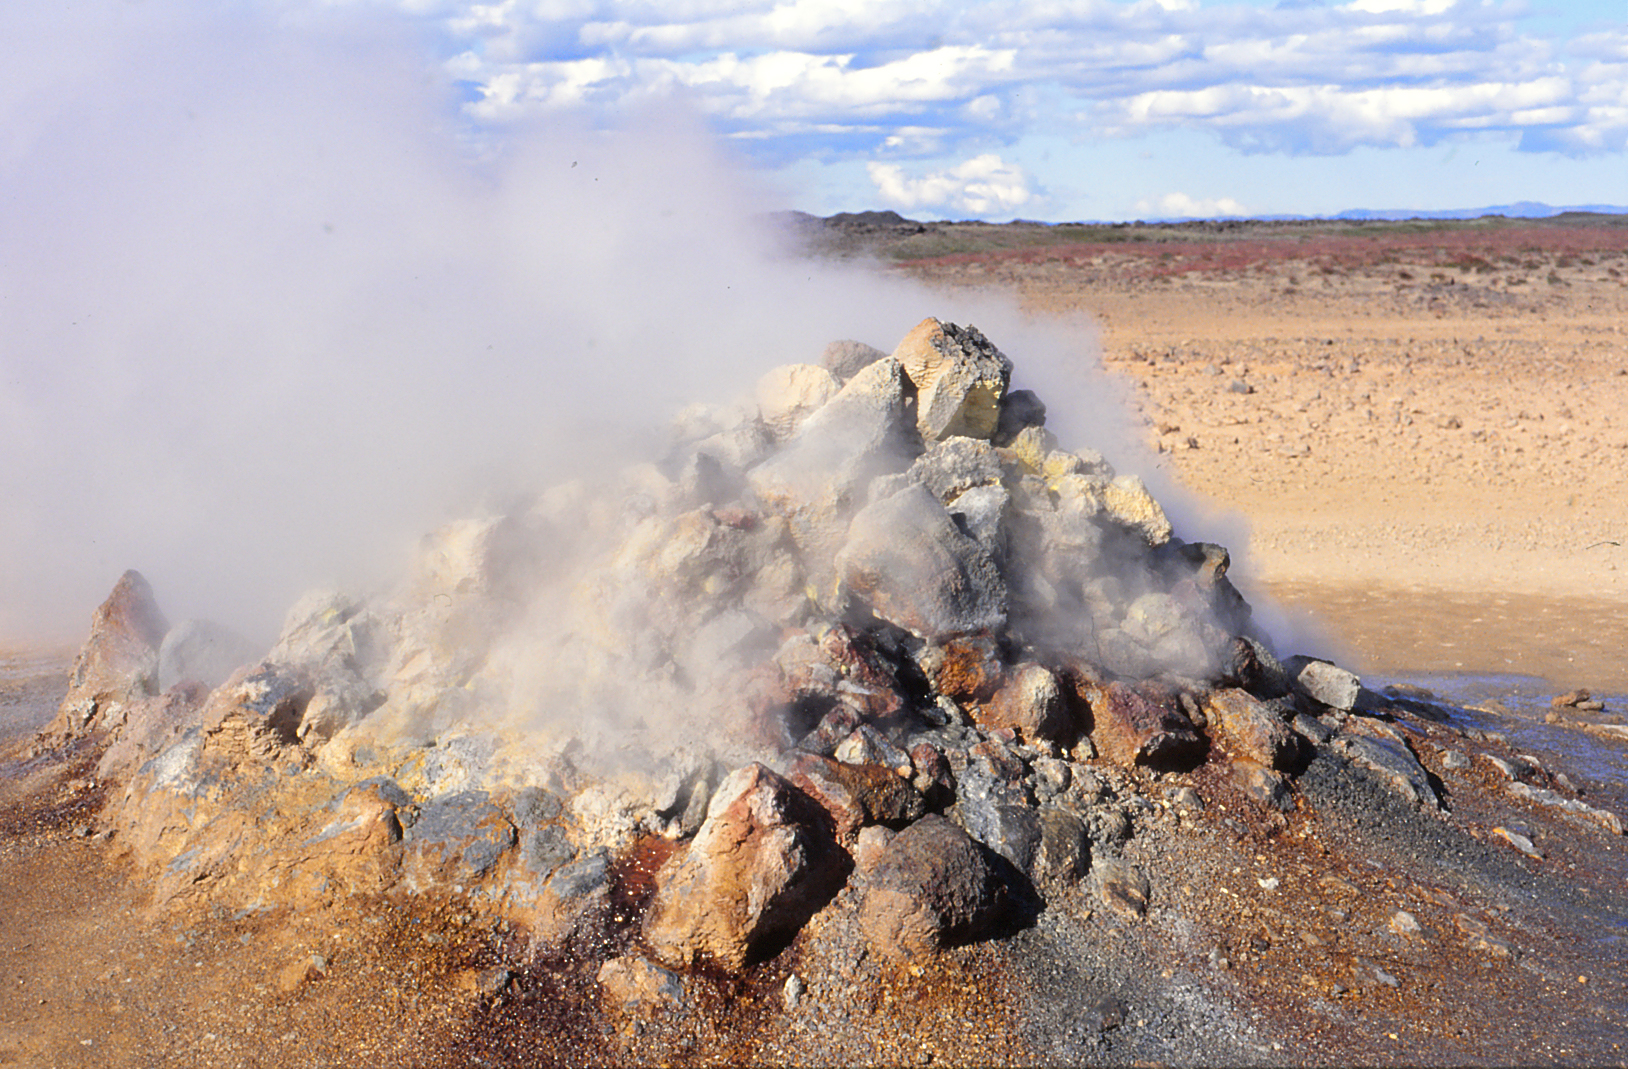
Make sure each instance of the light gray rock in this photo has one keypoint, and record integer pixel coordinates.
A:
(845, 359)
(202, 651)
(787, 395)
(817, 480)
(1324, 682)
(908, 560)
(955, 465)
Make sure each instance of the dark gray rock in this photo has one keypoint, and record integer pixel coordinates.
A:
(934, 887)
(456, 838)
(1020, 410)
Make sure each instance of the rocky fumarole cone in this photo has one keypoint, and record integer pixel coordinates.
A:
(927, 640)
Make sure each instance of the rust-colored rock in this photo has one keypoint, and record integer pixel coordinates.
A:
(1142, 725)
(1031, 703)
(967, 668)
(757, 870)
(857, 795)
(1250, 729)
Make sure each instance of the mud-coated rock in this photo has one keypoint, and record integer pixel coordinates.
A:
(934, 887)
(118, 663)
(908, 561)
(757, 870)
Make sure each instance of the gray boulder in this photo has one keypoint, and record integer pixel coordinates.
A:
(908, 560)
(934, 887)
(202, 651)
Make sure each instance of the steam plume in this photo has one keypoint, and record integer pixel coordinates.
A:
(270, 310)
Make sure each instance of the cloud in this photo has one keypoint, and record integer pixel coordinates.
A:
(844, 77)
(984, 185)
(1182, 206)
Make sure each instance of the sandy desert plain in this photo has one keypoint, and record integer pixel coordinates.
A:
(1426, 428)
(1425, 424)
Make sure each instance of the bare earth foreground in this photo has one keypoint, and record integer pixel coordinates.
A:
(1426, 429)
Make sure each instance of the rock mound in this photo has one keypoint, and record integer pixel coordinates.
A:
(937, 650)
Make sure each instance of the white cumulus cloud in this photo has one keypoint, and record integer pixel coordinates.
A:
(983, 185)
(1182, 206)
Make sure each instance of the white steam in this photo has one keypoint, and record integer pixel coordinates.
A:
(268, 310)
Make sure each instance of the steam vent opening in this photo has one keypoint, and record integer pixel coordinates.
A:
(867, 681)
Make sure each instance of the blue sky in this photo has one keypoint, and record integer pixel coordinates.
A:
(1090, 109)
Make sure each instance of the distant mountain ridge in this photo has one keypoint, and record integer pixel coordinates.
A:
(1524, 209)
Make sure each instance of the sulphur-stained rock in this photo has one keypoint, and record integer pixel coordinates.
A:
(1031, 703)
(789, 394)
(118, 663)
(960, 378)
(1252, 729)
(1324, 682)
(454, 841)
(933, 887)
(757, 870)
(1142, 726)
(202, 651)
(912, 566)
(254, 717)
(488, 557)
(1129, 504)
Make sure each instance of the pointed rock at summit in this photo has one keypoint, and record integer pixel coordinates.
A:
(117, 665)
(960, 379)
(911, 564)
